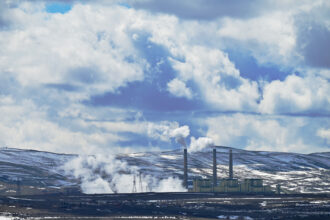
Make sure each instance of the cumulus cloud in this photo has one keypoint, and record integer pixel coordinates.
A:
(76, 129)
(50, 64)
(87, 59)
(288, 34)
(272, 133)
(296, 94)
(178, 88)
(270, 38)
(218, 79)
(27, 126)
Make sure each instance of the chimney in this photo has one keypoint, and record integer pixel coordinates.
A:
(185, 168)
(231, 164)
(214, 167)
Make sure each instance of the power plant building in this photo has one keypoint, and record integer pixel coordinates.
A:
(229, 185)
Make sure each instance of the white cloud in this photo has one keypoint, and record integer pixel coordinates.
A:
(178, 88)
(27, 126)
(324, 133)
(296, 94)
(278, 35)
(90, 62)
(218, 79)
(91, 53)
(83, 131)
(92, 49)
(272, 133)
(270, 38)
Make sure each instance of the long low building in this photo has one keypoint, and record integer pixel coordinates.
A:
(230, 185)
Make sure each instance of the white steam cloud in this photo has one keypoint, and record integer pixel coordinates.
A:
(200, 143)
(167, 130)
(180, 134)
(106, 174)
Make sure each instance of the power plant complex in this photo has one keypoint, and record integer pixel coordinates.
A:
(227, 185)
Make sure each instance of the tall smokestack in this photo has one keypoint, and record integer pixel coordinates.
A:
(185, 168)
(230, 164)
(214, 167)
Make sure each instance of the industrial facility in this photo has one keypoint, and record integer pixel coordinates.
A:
(227, 185)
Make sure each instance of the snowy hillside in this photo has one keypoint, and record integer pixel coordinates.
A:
(32, 167)
(298, 172)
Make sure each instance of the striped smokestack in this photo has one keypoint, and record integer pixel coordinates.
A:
(185, 168)
(231, 175)
(214, 167)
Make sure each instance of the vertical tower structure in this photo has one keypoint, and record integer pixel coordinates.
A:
(214, 167)
(185, 168)
(134, 185)
(231, 175)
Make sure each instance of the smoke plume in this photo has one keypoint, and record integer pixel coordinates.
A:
(167, 130)
(200, 143)
(180, 134)
(106, 174)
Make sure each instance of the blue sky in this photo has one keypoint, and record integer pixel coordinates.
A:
(126, 76)
(58, 7)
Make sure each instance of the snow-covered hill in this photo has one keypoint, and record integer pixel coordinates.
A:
(33, 167)
(298, 172)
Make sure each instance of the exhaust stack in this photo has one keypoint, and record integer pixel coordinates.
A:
(185, 169)
(231, 175)
(214, 167)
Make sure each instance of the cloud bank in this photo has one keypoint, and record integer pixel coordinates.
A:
(75, 79)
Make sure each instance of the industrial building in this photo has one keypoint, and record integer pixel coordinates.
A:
(228, 185)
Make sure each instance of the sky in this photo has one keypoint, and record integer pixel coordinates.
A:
(123, 76)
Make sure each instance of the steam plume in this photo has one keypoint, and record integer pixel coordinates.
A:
(200, 143)
(180, 134)
(167, 130)
(106, 174)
